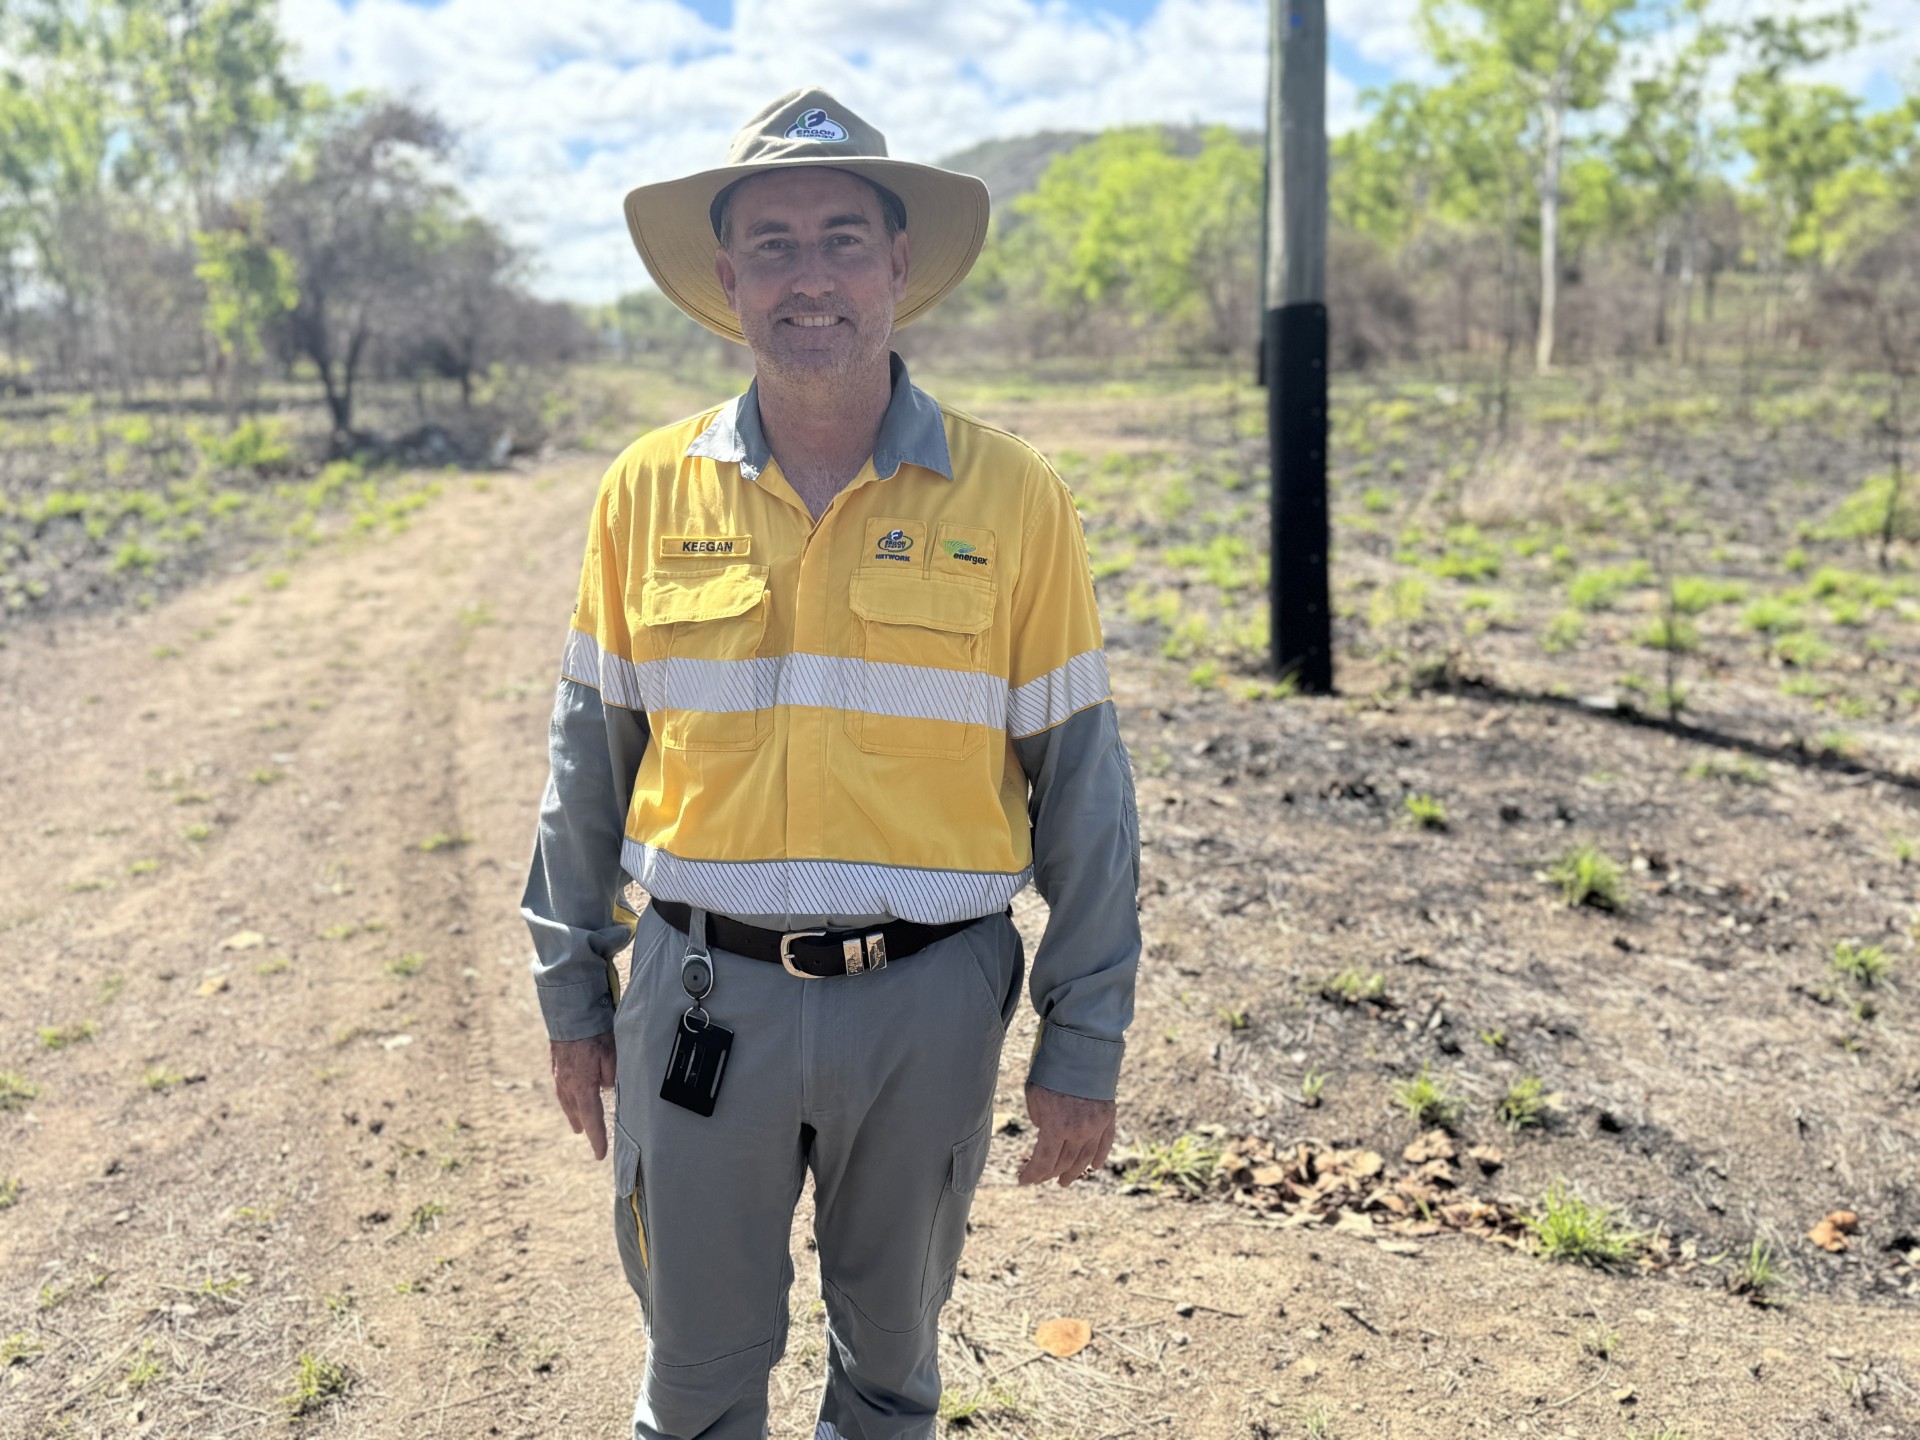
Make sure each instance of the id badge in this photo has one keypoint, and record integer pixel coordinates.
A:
(697, 1066)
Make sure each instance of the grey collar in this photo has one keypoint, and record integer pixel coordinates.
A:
(913, 432)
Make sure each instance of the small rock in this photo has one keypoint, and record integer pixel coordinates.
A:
(243, 940)
(1306, 1367)
(1624, 1395)
(212, 985)
(1488, 1157)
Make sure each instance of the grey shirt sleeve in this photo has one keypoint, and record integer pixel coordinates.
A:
(1086, 865)
(572, 901)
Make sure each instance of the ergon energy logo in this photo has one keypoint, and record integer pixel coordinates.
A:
(817, 125)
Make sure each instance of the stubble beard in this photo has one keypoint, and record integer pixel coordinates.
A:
(824, 372)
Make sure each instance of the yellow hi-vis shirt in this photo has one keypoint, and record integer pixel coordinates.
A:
(833, 706)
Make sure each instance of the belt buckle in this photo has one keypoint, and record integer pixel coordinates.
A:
(786, 951)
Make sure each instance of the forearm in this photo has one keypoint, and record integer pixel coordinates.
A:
(1086, 854)
(572, 899)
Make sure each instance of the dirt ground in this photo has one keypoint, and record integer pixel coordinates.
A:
(277, 1075)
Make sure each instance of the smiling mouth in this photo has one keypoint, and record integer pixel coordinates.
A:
(812, 321)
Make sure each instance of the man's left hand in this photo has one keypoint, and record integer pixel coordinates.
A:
(1074, 1136)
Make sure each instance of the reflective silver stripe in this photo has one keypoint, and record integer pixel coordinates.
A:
(1058, 695)
(876, 687)
(831, 682)
(821, 887)
(581, 659)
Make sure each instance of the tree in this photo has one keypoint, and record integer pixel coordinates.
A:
(1124, 221)
(250, 286)
(1669, 146)
(352, 211)
(1560, 55)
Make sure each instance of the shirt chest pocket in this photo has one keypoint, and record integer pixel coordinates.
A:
(922, 687)
(709, 688)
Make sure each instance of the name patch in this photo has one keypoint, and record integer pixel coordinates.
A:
(733, 545)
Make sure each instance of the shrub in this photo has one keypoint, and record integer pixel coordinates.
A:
(1599, 589)
(1428, 1098)
(1587, 875)
(1569, 1229)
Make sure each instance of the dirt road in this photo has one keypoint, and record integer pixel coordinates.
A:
(262, 850)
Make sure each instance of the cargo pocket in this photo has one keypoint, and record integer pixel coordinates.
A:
(630, 1221)
(704, 629)
(921, 689)
(949, 1236)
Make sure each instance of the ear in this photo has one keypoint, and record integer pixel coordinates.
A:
(723, 271)
(900, 264)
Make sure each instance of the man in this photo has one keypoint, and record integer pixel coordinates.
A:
(833, 694)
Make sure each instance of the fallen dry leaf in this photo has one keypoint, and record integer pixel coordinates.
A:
(1062, 1337)
(1831, 1233)
(212, 985)
(242, 940)
(1434, 1145)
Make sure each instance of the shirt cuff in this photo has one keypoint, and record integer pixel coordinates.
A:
(576, 1012)
(1074, 1064)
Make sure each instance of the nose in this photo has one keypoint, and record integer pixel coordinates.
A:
(812, 276)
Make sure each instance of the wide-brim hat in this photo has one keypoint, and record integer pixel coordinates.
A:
(673, 221)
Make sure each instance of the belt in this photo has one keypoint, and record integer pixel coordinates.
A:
(814, 954)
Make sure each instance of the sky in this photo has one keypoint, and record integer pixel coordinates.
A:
(565, 105)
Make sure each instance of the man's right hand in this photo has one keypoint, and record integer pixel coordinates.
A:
(581, 1070)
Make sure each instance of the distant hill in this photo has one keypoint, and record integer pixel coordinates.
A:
(1013, 167)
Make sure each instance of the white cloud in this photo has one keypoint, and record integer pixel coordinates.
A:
(564, 105)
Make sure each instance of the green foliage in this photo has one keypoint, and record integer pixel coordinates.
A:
(16, 1090)
(1600, 589)
(1188, 1163)
(253, 445)
(1426, 812)
(1524, 1106)
(1428, 1099)
(1757, 1273)
(1863, 515)
(250, 283)
(1863, 964)
(1586, 875)
(1567, 1228)
(1124, 221)
(316, 1384)
(1563, 632)
(1353, 986)
(1696, 594)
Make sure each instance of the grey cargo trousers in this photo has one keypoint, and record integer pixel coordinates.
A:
(882, 1086)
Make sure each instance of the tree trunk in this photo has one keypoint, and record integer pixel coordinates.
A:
(1550, 227)
(1663, 286)
(1509, 282)
(1896, 479)
(1689, 243)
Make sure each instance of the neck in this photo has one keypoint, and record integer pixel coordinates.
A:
(823, 432)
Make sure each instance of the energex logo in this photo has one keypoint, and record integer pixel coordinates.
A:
(816, 125)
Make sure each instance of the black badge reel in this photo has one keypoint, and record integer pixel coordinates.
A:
(700, 1047)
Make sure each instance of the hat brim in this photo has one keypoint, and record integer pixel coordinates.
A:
(946, 220)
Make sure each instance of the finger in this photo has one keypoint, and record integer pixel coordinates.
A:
(596, 1125)
(1075, 1168)
(1044, 1163)
(1103, 1149)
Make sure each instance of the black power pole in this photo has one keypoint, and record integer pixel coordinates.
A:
(1293, 341)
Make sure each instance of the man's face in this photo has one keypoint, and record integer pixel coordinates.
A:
(811, 273)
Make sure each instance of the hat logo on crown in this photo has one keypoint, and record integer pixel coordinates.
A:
(816, 125)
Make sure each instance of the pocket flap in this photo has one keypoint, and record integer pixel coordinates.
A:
(969, 1160)
(930, 604)
(626, 1162)
(673, 597)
